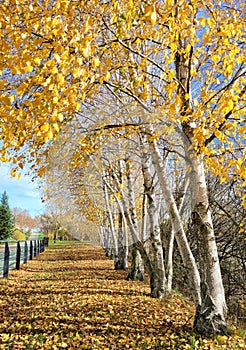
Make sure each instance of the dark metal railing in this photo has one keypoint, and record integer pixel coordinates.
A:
(15, 253)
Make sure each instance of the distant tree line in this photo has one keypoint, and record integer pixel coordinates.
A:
(17, 223)
(7, 220)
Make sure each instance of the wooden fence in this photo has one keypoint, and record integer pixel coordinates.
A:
(15, 253)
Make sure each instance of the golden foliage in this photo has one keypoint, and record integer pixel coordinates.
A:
(19, 236)
(184, 61)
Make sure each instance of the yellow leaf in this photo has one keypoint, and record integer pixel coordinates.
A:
(45, 127)
(215, 58)
(37, 60)
(227, 106)
(41, 172)
(56, 127)
(223, 179)
(150, 14)
(28, 68)
(15, 70)
(77, 106)
(54, 70)
(230, 104)
(203, 22)
(96, 62)
(210, 22)
(48, 136)
(55, 99)
(60, 78)
(83, 97)
(107, 76)
(101, 80)
(12, 98)
(53, 117)
(229, 69)
(72, 98)
(138, 41)
(171, 74)
(57, 57)
(60, 117)
(88, 24)
(75, 72)
(218, 134)
(86, 48)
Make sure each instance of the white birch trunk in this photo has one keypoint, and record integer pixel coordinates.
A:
(144, 218)
(211, 315)
(177, 226)
(137, 268)
(122, 242)
(122, 252)
(169, 260)
(102, 236)
(111, 224)
(157, 274)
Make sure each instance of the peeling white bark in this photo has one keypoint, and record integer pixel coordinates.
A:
(211, 315)
(177, 226)
(111, 223)
(157, 274)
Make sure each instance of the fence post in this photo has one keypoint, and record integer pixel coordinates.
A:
(31, 251)
(35, 248)
(6, 261)
(46, 241)
(38, 247)
(25, 253)
(42, 245)
(18, 255)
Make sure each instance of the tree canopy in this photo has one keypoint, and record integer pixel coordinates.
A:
(7, 222)
(183, 61)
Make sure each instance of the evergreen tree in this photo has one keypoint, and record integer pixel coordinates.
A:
(7, 221)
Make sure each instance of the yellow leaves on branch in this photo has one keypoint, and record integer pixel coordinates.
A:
(48, 130)
(85, 48)
(88, 25)
(66, 49)
(14, 173)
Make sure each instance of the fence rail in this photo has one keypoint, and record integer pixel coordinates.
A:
(15, 253)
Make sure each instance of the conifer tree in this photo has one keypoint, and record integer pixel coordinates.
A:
(7, 221)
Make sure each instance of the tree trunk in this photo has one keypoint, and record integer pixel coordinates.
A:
(167, 239)
(158, 282)
(177, 226)
(169, 258)
(144, 218)
(137, 268)
(129, 214)
(114, 247)
(211, 314)
(109, 244)
(122, 252)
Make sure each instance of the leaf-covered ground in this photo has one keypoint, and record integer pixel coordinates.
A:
(70, 297)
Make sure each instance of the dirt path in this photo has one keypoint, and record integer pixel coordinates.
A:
(70, 297)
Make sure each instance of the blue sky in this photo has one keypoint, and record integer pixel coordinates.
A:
(21, 193)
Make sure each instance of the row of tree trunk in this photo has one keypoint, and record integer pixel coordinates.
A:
(151, 246)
